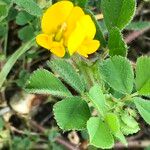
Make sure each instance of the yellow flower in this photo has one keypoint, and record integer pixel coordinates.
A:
(67, 27)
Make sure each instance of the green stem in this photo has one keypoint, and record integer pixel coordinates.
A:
(6, 40)
(12, 60)
(128, 97)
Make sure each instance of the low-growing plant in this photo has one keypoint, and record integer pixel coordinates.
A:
(103, 93)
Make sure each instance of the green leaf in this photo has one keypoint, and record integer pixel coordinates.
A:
(97, 97)
(67, 73)
(143, 106)
(23, 18)
(118, 73)
(100, 135)
(3, 10)
(3, 30)
(129, 120)
(113, 122)
(1, 124)
(118, 13)
(72, 113)
(126, 130)
(128, 124)
(26, 33)
(99, 34)
(11, 61)
(81, 3)
(116, 44)
(143, 75)
(30, 6)
(138, 25)
(44, 82)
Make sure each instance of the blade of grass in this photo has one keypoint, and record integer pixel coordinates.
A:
(11, 61)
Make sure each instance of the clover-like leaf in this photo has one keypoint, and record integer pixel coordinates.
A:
(72, 113)
(44, 82)
(98, 99)
(116, 44)
(113, 122)
(118, 73)
(67, 73)
(143, 107)
(143, 75)
(100, 135)
(118, 13)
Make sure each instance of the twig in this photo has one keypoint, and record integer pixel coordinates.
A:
(59, 140)
(133, 144)
(20, 131)
(135, 34)
(67, 144)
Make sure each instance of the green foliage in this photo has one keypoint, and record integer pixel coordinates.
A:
(128, 124)
(113, 122)
(116, 44)
(3, 10)
(71, 113)
(143, 76)
(1, 123)
(30, 6)
(3, 30)
(20, 143)
(80, 3)
(143, 107)
(138, 25)
(98, 99)
(118, 13)
(23, 18)
(26, 33)
(44, 82)
(67, 73)
(11, 61)
(118, 73)
(100, 135)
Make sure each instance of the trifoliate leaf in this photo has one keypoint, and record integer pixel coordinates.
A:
(143, 75)
(72, 113)
(116, 44)
(98, 99)
(67, 73)
(143, 107)
(118, 13)
(118, 73)
(100, 135)
(44, 82)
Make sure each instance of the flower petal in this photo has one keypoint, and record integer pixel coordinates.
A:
(75, 15)
(85, 28)
(88, 47)
(58, 49)
(55, 16)
(89, 26)
(44, 40)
